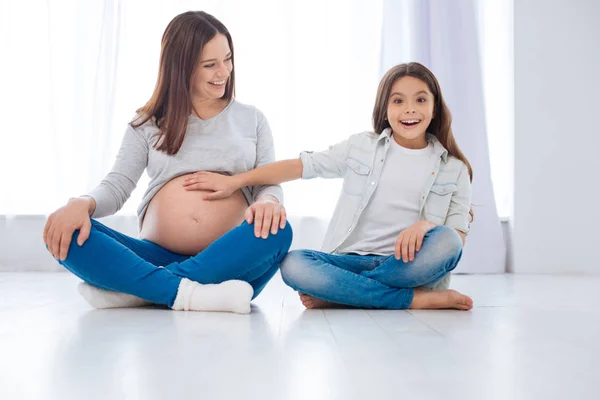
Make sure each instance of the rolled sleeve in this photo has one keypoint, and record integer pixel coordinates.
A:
(327, 164)
(458, 213)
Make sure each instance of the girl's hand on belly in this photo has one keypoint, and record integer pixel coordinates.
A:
(222, 185)
(267, 215)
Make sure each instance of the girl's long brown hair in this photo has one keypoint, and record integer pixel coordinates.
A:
(440, 125)
(170, 104)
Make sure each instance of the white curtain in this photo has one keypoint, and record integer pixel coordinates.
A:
(443, 35)
(76, 71)
(73, 72)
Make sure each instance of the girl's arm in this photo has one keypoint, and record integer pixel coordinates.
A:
(328, 164)
(462, 235)
(270, 174)
(223, 186)
(458, 213)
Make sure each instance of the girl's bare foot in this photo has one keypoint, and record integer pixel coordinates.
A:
(437, 299)
(312, 302)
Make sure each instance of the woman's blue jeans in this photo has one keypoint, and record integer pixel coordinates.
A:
(114, 261)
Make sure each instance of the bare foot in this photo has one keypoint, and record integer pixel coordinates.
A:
(438, 299)
(312, 302)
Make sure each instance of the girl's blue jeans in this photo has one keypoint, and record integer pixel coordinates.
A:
(374, 281)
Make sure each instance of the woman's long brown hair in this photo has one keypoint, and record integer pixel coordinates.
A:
(170, 104)
(440, 125)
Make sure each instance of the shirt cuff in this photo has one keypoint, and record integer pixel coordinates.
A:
(458, 223)
(273, 190)
(308, 169)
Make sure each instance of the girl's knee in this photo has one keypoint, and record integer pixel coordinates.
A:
(294, 269)
(446, 241)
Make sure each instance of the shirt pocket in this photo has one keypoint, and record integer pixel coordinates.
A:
(438, 201)
(355, 178)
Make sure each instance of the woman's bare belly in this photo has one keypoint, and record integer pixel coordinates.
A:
(181, 221)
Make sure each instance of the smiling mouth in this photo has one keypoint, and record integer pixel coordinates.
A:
(218, 83)
(410, 122)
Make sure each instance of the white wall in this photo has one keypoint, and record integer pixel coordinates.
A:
(557, 136)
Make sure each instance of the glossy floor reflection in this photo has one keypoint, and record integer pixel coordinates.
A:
(529, 337)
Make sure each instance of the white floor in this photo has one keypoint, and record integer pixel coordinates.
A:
(529, 337)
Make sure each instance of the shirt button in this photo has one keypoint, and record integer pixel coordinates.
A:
(423, 198)
(433, 173)
(350, 230)
(382, 160)
(372, 183)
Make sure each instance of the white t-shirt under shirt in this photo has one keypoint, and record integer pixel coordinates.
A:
(395, 203)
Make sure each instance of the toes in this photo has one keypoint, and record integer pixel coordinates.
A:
(467, 303)
(304, 297)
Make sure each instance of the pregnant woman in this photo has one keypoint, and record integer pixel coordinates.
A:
(192, 254)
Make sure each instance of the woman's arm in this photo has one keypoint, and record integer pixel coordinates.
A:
(116, 187)
(265, 154)
(105, 199)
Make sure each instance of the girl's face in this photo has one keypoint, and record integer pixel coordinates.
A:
(410, 110)
(213, 70)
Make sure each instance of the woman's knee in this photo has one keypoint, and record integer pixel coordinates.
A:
(285, 235)
(282, 241)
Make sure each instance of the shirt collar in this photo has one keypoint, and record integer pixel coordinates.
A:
(438, 148)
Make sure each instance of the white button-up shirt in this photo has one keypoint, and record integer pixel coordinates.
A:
(445, 197)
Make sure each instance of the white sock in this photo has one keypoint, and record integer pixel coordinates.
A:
(232, 296)
(100, 298)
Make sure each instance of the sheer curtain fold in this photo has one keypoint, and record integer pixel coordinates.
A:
(77, 71)
(443, 36)
(80, 69)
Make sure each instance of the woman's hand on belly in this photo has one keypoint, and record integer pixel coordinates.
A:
(183, 222)
(268, 216)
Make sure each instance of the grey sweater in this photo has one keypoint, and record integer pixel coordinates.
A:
(236, 140)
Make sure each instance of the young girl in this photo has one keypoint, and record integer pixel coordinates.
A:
(404, 212)
(183, 258)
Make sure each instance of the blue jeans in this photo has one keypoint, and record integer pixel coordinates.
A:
(373, 281)
(113, 261)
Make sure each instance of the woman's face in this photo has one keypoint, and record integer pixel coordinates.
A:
(410, 109)
(213, 70)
